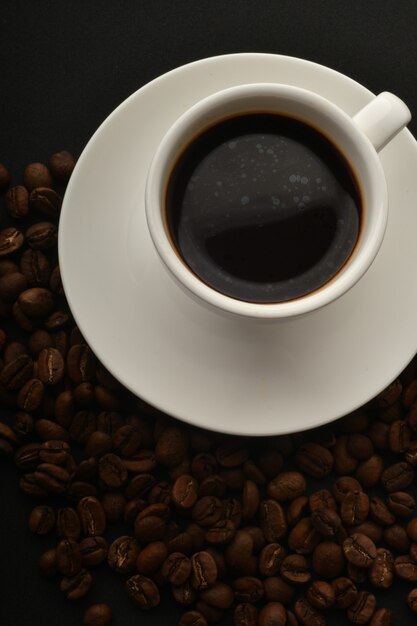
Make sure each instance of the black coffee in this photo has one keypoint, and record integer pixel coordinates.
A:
(263, 208)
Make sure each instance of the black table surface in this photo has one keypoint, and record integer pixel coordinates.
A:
(64, 66)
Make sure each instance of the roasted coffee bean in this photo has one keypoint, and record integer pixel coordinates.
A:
(81, 364)
(77, 586)
(272, 613)
(11, 240)
(276, 589)
(344, 463)
(326, 521)
(286, 486)
(68, 524)
(412, 600)
(93, 551)
(413, 551)
(220, 595)
(405, 568)
(232, 510)
(184, 492)
(29, 485)
(97, 615)
(112, 472)
(5, 176)
(397, 477)
(239, 550)
(359, 446)
(27, 457)
(304, 537)
(250, 499)
(401, 503)
(378, 433)
(47, 562)
(35, 175)
(122, 554)
(34, 265)
(245, 614)
(48, 430)
(212, 486)
(61, 165)
(11, 286)
(308, 615)
(369, 472)
(297, 509)
(328, 561)
(391, 394)
(412, 529)
(345, 592)
(16, 373)
(82, 426)
(253, 472)
(381, 617)
(93, 519)
(321, 595)
(56, 320)
(68, 557)
(343, 485)
(51, 366)
(399, 436)
(359, 550)
(56, 452)
(221, 532)
(21, 319)
(184, 594)
(232, 453)
(203, 570)
(314, 460)
(362, 609)
(126, 440)
(30, 395)
(36, 302)
(295, 569)
(171, 446)
(207, 511)
(42, 520)
(354, 508)
(396, 538)
(143, 591)
(113, 503)
(380, 512)
(410, 454)
(140, 485)
(23, 425)
(151, 558)
(150, 529)
(248, 589)
(381, 573)
(53, 478)
(270, 462)
(176, 569)
(271, 558)
(7, 434)
(98, 444)
(272, 520)
(46, 201)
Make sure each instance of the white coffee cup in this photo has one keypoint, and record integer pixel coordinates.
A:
(358, 138)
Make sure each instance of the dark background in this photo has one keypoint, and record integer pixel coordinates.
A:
(65, 65)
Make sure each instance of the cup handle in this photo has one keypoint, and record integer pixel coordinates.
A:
(382, 119)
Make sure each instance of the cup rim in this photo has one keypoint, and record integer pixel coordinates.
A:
(175, 140)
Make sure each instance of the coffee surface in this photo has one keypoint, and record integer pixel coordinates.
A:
(263, 208)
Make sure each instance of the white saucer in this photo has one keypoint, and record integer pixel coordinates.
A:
(229, 375)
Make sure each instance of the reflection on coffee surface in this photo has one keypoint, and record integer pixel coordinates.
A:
(263, 208)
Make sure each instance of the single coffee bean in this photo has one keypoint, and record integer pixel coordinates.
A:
(51, 477)
(61, 165)
(150, 529)
(30, 486)
(207, 511)
(11, 240)
(381, 573)
(345, 592)
(176, 569)
(113, 503)
(369, 472)
(98, 444)
(360, 446)
(396, 537)
(143, 591)
(68, 557)
(122, 554)
(344, 463)
(295, 569)
(5, 176)
(271, 558)
(142, 462)
(277, 590)
(232, 453)
(314, 460)
(23, 424)
(151, 558)
(391, 394)
(412, 529)
(401, 503)
(11, 286)
(126, 440)
(326, 521)
(27, 457)
(93, 519)
(112, 472)
(399, 436)
(51, 367)
(68, 524)
(56, 320)
(212, 486)
(82, 426)
(76, 587)
(273, 614)
(405, 568)
(184, 594)
(97, 615)
(203, 570)
(412, 600)
(42, 520)
(303, 538)
(354, 508)
(378, 433)
(397, 477)
(35, 267)
(381, 617)
(184, 492)
(245, 614)
(362, 609)
(56, 452)
(31, 395)
(380, 513)
(81, 364)
(46, 201)
(250, 499)
(232, 510)
(93, 551)
(35, 175)
(253, 472)
(248, 589)
(343, 485)
(297, 509)
(410, 454)
(171, 446)
(328, 560)
(193, 618)
(321, 595)
(220, 595)
(47, 562)
(16, 373)
(272, 520)
(286, 486)
(359, 550)
(413, 551)
(221, 532)
(308, 615)
(36, 302)
(239, 550)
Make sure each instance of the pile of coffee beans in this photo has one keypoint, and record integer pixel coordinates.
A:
(274, 531)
